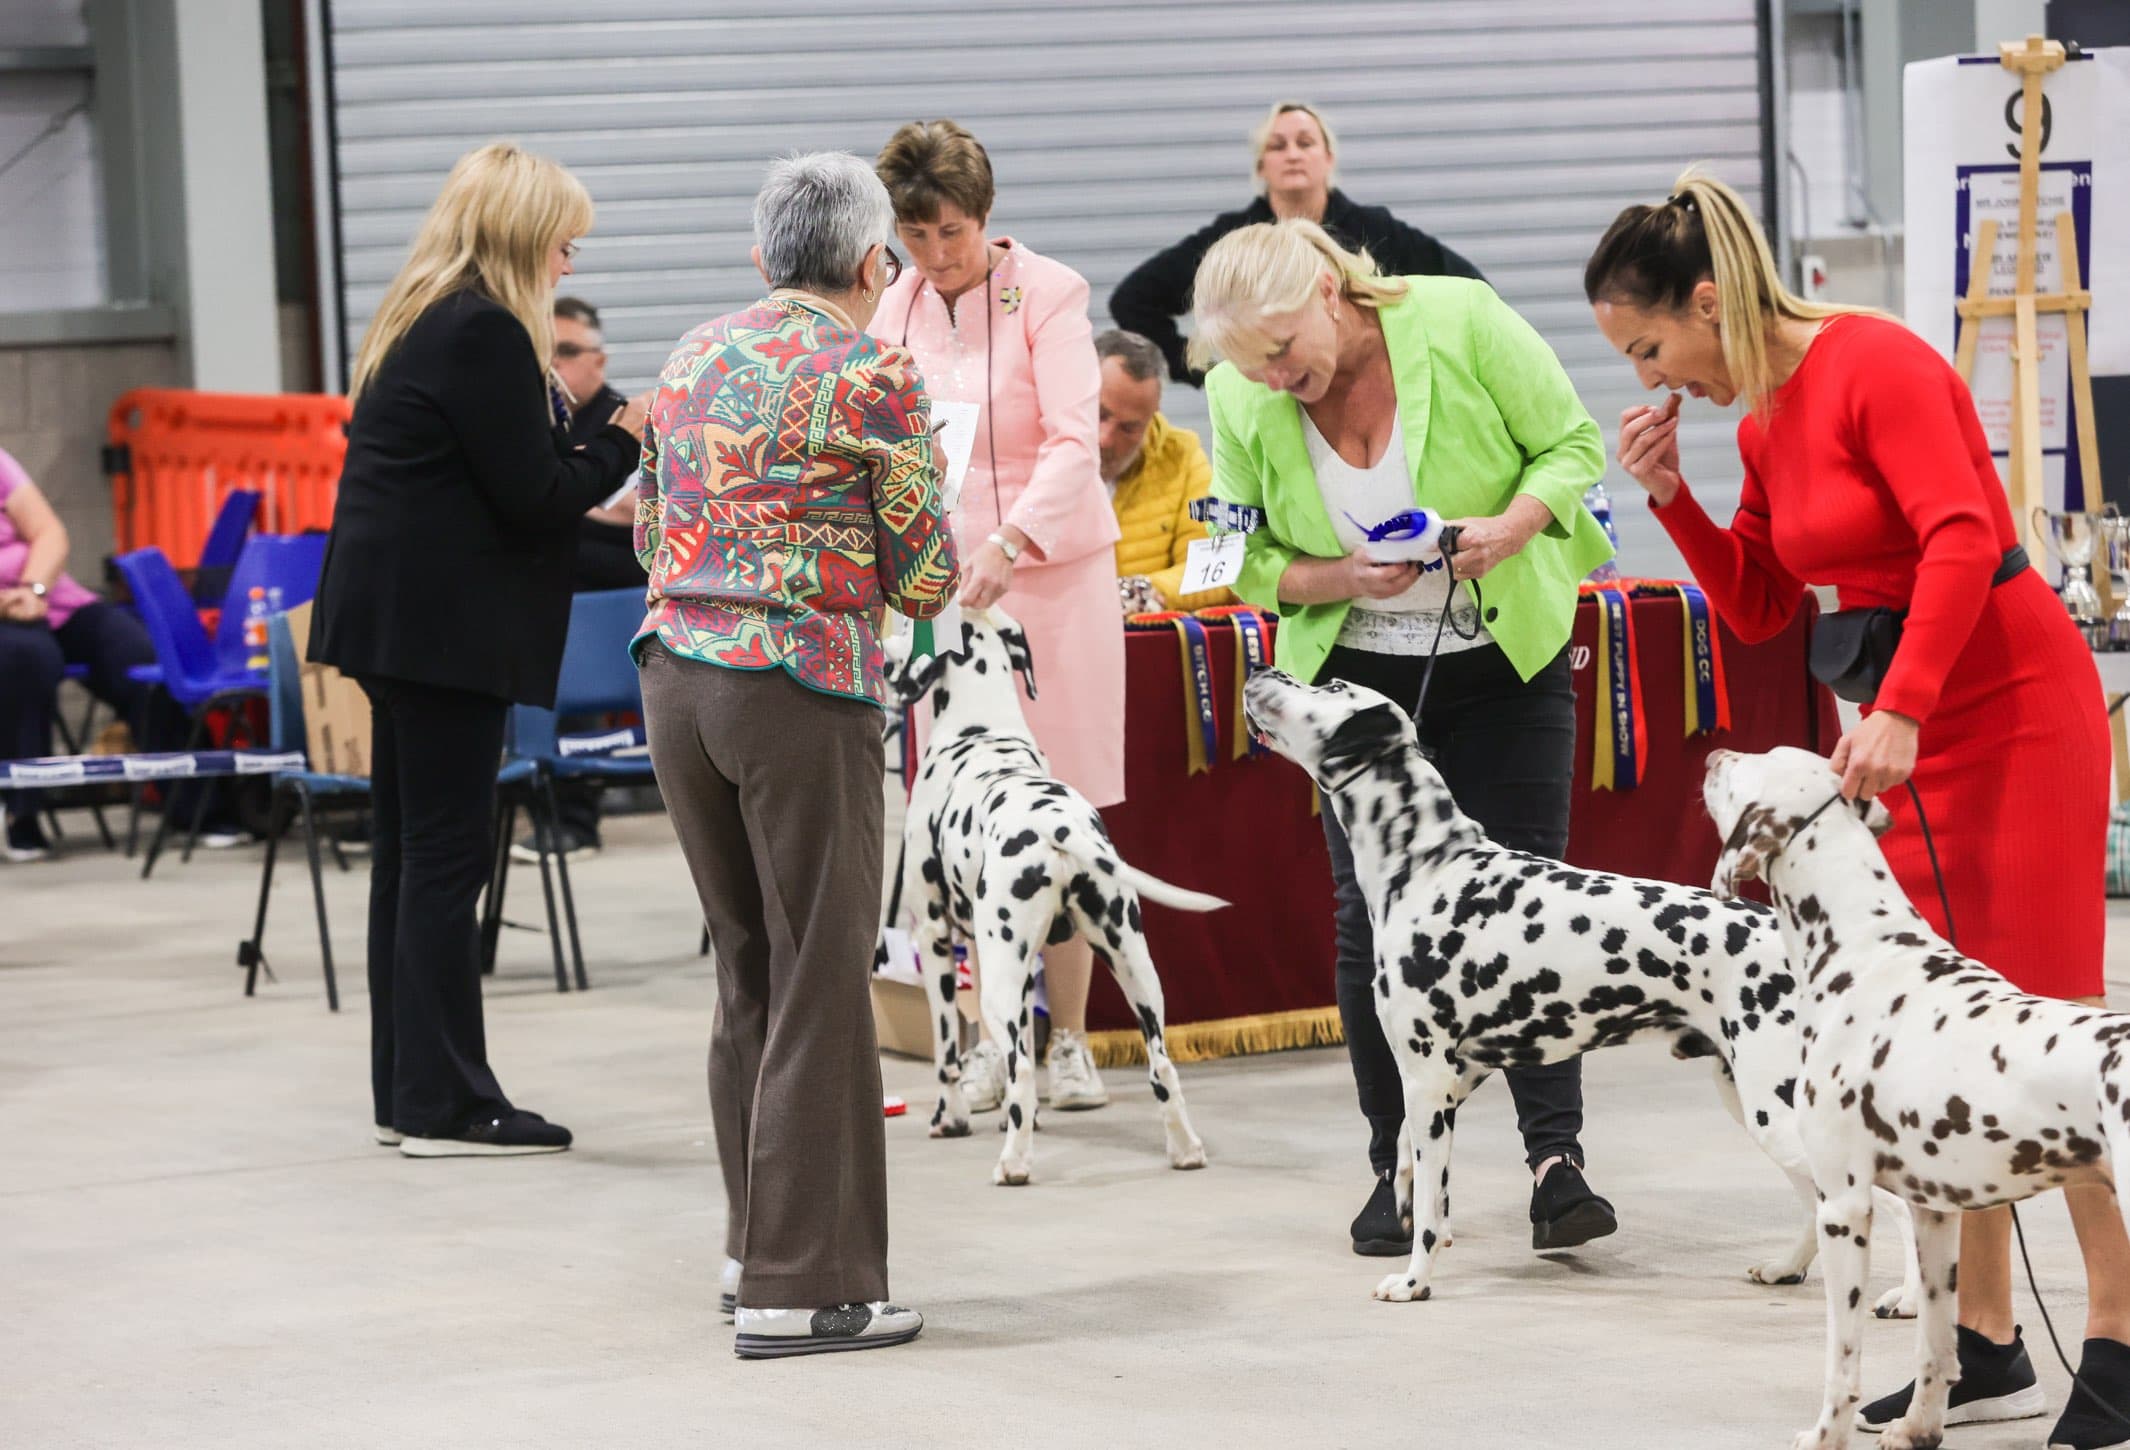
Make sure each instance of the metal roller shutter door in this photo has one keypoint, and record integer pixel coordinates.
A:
(1512, 129)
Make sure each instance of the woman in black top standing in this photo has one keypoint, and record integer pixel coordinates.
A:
(1296, 157)
(446, 595)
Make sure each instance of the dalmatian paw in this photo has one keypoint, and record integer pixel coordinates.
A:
(1897, 1303)
(1822, 1436)
(1010, 1176)
(1776, 1271)
(1186, 1149)
(1900, 1436)
(946, 1127)
(1401, 1289)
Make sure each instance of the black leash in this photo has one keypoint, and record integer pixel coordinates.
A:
(2018, 1229)
(1448, 545)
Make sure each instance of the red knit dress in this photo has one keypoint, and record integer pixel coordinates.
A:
(1871, 473)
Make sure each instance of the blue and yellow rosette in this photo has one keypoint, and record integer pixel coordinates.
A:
(1253, 652)
(1620, 740)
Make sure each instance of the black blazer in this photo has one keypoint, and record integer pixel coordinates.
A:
(456, 525)
(1158, 291)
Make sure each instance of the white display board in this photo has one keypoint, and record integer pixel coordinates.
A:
(1960, 123)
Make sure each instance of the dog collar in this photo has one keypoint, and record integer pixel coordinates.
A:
(1737, 835)
(1367, 764)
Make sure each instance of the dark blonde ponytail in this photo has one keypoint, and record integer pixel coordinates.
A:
(1652, 257)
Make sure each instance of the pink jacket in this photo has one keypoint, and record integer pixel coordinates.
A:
(1043, 382)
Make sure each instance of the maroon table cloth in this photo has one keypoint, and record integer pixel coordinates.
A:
(1243, 830)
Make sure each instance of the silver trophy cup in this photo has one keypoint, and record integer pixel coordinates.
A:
(2115, 542)
(2073, 535)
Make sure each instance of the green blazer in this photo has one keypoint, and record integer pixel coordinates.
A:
(1487, 413)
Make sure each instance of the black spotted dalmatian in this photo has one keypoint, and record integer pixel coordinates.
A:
(1489, 958)
(1010, 859)
(1924, 1072)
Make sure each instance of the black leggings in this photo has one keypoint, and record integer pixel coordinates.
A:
(1506, 749)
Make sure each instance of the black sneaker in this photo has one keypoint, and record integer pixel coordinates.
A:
(25, 840)
(513, 1133)
(1566, 1211)
(2097, 1416)
(1378, 1233)
(1996, 1383)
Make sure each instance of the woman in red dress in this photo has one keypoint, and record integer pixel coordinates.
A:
(1866, 468)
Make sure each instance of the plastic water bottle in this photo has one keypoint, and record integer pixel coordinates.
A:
(255, 615)
(1599, 502)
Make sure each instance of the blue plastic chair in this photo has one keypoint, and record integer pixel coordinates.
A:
(225, 542)
(598, 677)
(186, 665)
(312, 792)
(290, 563)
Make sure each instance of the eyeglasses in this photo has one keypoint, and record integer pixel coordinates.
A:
(893, 264)
(567, 351)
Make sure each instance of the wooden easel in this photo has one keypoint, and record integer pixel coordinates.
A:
(2031, 60)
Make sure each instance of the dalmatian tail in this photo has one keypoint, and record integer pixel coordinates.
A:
(1153, 888)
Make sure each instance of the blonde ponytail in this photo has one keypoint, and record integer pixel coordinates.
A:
(1272, 269)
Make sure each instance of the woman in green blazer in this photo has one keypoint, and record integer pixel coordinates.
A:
(1345, 399)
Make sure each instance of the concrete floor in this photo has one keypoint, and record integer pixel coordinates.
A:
(199, 1245)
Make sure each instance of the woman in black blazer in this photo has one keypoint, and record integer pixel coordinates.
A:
(446, 595)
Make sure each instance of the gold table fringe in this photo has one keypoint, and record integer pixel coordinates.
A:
(1224, 1037)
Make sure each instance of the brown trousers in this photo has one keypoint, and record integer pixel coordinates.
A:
(775, 792)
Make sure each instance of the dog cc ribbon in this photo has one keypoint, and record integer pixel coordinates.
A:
(1618, 762)
(1708, 696)
(1201, 735)
(1228, 518)
(1249, 659)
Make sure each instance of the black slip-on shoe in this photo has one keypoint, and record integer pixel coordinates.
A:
(2097, 1415)
(1996, 1383)
(1378, 1233)
(511, 1134)
(1566, 1211)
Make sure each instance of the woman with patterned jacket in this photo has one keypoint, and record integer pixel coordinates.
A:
(789, 494)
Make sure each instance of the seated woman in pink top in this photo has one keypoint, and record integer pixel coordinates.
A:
(994, 324)
(47, 622)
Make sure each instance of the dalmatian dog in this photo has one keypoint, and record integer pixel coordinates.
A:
(1011, 860)
(1924, 1072)
(1489, 958)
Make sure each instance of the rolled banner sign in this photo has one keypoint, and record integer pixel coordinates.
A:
(1201, 733)
(1229, 518)
(1620, 745)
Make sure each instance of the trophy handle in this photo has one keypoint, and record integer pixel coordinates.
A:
(2041, 520)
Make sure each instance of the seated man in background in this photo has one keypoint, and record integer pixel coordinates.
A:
(606, 538)
(1152, 470)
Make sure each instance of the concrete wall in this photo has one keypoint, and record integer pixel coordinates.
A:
(53, 401)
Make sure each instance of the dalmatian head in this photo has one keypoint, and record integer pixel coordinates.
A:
(1333, 731)
(977, 664)
(1761, 802)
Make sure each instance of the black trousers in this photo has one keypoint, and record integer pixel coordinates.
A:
(1506, 749)
(433, 758)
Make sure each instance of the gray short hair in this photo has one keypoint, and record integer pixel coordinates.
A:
(1141, 359)
(816, 216)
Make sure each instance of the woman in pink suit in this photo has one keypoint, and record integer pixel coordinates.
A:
(994, 324)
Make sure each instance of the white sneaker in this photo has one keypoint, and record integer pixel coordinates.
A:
(1074, 1084)
(387, 1135)
(728, 1289)
(776, 1333)
(983, 1077)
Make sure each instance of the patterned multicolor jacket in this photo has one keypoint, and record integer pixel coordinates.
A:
(788, 494)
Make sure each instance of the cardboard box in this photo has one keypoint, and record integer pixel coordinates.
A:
(902, 1019)
(336, 713)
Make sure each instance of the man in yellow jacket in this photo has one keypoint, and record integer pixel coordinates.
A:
(1153, 470)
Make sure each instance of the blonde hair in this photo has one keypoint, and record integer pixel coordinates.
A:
(1261, 137)
(1652, 257)
(500, 214)
(1272, 269)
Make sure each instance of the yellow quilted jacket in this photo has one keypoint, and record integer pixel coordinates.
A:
(1155, 529)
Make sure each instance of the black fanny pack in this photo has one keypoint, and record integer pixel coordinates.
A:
(1853, 649)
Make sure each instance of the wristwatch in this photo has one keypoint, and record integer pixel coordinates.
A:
(40, 590)
(1006, 546)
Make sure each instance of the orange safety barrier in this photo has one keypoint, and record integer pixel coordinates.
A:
(173, 455)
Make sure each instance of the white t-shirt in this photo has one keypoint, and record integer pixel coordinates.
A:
(1358, 499)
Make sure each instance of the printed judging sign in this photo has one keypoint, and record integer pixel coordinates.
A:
(1962, 117)
(1212, 563)
(957, 440)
